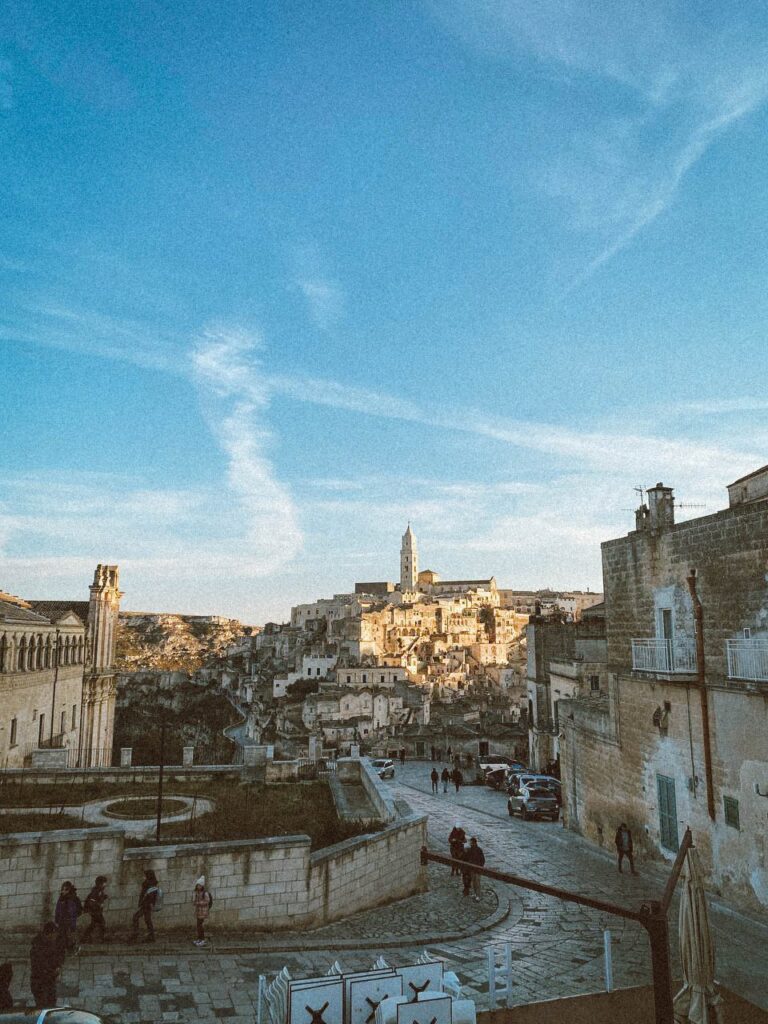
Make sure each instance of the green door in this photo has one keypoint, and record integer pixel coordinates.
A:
(667, 813)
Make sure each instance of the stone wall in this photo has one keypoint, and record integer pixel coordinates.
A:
(263, 884)
(729, 550)
(132, 776)
(612, 755)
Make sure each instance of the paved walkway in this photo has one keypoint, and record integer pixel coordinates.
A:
(557, 948)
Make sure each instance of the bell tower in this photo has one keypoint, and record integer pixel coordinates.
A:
(409, 561)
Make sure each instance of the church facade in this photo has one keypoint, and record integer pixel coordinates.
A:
(58, 683)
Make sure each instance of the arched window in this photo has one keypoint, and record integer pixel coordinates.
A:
(67, 650)
(47, 660)
(81, 650)
(29, 664)
(3, 652)
(39, 652)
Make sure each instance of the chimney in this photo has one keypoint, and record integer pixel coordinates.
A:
(661, 507)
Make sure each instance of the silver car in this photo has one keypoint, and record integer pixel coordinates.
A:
(384, 768)
(533, 802)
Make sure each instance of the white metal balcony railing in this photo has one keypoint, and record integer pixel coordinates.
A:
(747, 659)
(664, 656)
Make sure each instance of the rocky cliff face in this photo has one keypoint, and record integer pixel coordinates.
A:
(166, 642)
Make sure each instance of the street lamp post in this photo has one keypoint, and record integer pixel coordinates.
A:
(160, 782)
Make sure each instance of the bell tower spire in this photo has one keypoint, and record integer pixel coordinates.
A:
(409, 561)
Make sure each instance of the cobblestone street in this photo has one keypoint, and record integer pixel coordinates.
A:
(557, 948)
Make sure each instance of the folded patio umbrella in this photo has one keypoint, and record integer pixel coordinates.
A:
(697, 1001)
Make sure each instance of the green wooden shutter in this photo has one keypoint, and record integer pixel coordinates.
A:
(667, 813)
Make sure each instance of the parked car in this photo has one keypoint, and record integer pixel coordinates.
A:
(56, 1015)
(384, 768)
(496, 778)
(517, 779)
(533, 801)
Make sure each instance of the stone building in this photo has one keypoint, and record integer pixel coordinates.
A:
(57, 676)
(681, 735)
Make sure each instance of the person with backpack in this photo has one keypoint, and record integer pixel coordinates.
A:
(202, 902)
(68, 909)
(94, 907)
(150, 901)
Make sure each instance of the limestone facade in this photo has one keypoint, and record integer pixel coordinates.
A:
(637, 753)
(57, 679)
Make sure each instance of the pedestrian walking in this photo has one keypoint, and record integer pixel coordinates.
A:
(445, 775)
(432, 752)
(202, 901)
(449, 753)
(435, 779)
(625, 847)
(46, 956)
(456, 840)
(473, 855)
(402, 755)
(6, 977)
(148, 901)
(458, 778)
(68, 909)
(94, 907)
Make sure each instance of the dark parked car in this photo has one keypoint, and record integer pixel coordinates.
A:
(533, 801)
(496, 778)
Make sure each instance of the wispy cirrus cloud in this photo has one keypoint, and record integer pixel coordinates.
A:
(323, 294)
(683, 82)
(235, 398)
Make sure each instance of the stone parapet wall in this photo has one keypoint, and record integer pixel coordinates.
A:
(107, 776)
(354, 770)
(262, 884)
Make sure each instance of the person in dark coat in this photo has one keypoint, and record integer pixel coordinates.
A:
(435, 779)
(94, 907)
(473, 855)
(458, 778)
(456, 840)
(625, 847)
(147, 903)
(6, 977)
(402, 755)
(445, 775)
(46, 956)
(68, 909)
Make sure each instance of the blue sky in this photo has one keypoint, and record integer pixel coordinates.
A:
(277, 279)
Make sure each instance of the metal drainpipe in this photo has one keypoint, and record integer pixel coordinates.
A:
(698, 612)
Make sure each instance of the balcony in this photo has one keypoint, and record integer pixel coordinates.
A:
(747, 659)
(664, 656)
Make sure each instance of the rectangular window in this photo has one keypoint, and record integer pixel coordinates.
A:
(63, 722)
(74, 716)
(594, 683)
(731, 811)
(14, 726)
(34, 715)
(667, 813)
(40, 730)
